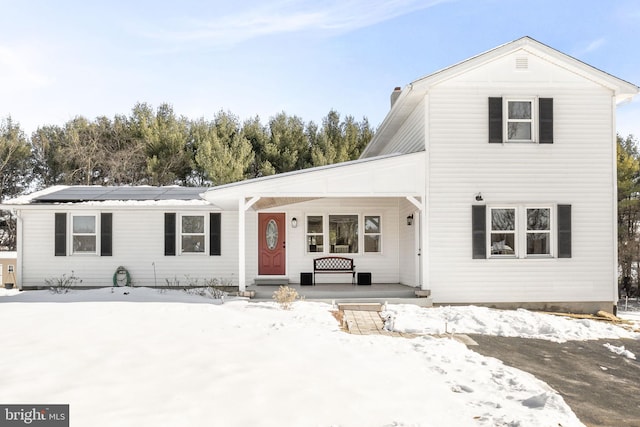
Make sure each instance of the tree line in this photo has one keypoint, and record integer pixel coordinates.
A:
(628, 162)
(156, 146)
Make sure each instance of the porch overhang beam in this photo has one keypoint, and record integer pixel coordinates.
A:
(251, 202)
(415, 202)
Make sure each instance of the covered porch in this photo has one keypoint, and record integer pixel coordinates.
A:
(369, 210)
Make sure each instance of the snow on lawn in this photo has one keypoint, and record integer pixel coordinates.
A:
(506, 323)
(179, 360)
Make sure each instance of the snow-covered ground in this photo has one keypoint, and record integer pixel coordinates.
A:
(139, 357)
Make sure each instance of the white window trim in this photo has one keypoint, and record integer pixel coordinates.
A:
(328, 233)
(520, 232)
(325, 218)
(515, 233)
(364, 233)
(552, 230)
(72, 234)
(326, 250)
(179, 234)
(533, 120)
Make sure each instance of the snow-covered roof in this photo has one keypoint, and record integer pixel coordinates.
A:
(114, 196)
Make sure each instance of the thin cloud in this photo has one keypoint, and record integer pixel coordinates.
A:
(334, 17)
(591, 47)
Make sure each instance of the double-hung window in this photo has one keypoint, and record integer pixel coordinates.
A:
(192, 236)
(84, 236)
(372, 233)
(503, 231)
(519, 120)
(520, 231)
(538, 231)
(315, 235)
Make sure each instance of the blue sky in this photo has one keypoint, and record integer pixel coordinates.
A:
(59, 59)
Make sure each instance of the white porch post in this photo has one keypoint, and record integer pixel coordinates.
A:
(241, 246)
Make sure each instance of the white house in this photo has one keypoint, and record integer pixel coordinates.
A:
(492, 181)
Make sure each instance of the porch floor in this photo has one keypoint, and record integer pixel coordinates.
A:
(334, 292)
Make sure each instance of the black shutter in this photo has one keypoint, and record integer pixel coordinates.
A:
(169, 234)
(106, 232)
(60, 234)
(545, 107)
(214, 234)
(479, 231)
(564, 231)
(495, 120)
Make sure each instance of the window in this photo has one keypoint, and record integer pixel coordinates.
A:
(519, 120)
(192, 234)
(10, 268)
(372, 234)
(343, 234)
(84, 235)
(539, 231)
(503, 231)
(315, 236)
(520, 230)
(528, 119)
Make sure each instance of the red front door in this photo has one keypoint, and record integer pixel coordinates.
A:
(271, 244)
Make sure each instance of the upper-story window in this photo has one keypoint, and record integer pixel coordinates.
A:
(526, 119)
(519, 121)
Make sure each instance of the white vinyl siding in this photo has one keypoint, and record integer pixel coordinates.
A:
(138, 245)
(384, 266)
(577, 169)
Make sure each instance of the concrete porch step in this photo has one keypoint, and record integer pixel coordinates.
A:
(271, 281)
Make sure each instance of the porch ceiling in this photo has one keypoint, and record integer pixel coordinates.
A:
(272, 202)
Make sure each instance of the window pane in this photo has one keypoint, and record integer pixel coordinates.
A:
(343, 233)
(520, 110)
(84, 244)
(84, 224)
(502, 244)
(503, 219)
(538, 244)
(372, 243)
(193, 224)
(520, 130)
(314, 224)
(193, 244)
(538, 219)
(315, 243)
(371, 224)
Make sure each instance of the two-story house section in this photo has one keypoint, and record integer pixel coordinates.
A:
(492, 182)
(520, 176)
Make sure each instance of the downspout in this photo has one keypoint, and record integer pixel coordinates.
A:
(614, 222)
(424, 214)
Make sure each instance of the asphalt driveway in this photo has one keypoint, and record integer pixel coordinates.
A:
(601, 387)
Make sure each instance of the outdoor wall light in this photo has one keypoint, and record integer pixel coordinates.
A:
(294, 222)
(479, 197)
(410, 220)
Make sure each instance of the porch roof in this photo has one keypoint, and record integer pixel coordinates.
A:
(397, 175)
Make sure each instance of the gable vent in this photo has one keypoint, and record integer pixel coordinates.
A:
(522, 63)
